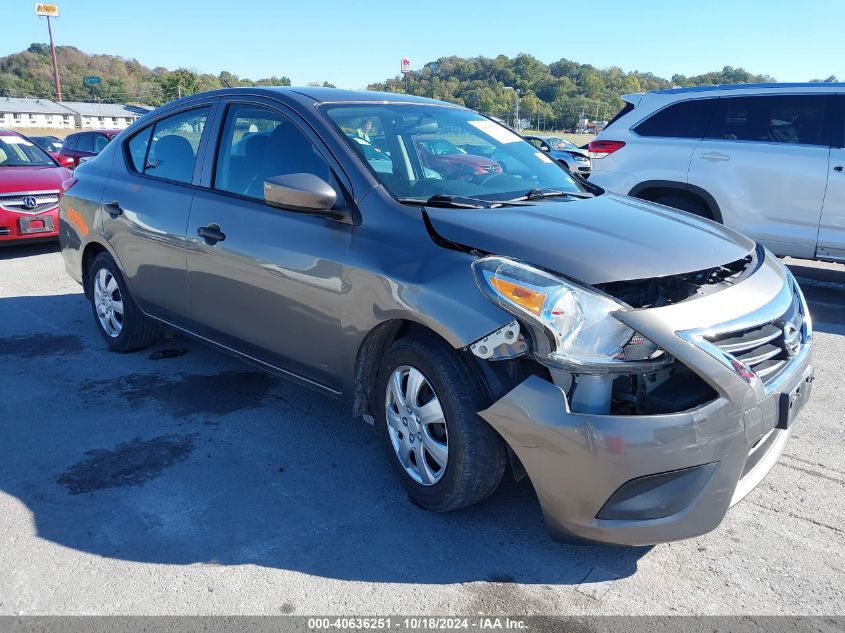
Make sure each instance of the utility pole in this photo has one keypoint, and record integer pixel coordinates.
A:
(55, 63)
(51, 11)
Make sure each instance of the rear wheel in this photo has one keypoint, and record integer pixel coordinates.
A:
(685, 203)
(444, 454)
(121, 324)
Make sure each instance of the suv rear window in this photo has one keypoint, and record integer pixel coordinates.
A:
(771, 119)
(625, 110)
(687, 119)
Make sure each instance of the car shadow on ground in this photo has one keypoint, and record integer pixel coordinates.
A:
(13, 251)
(190, 456)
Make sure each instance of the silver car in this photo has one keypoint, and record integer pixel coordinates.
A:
(642, 366)
(565, 152)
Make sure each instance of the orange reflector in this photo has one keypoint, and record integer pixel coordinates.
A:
(529, 299)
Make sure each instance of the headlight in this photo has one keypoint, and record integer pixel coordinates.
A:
(573, 326)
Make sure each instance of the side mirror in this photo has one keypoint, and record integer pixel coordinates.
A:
(300, 192)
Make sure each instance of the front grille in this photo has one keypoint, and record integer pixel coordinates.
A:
(16, 201)
(765, 348)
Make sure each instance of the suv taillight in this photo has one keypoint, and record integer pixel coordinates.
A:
(600, 149)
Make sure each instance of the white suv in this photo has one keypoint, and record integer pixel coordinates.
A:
(764, 159)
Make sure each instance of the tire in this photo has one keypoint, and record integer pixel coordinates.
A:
(120, 322)
(685, 203)
(476, 456)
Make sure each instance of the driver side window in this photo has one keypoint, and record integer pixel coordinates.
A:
(260, 143)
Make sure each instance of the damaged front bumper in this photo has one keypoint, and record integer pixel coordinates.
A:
(644, 479)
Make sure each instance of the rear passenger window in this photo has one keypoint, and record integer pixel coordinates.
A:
(775, 119)
(85, 143)
(100, 142)
(70, 141)
(259, 143)
(172, 150)
(687, 119)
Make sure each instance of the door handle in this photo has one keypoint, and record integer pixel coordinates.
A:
(715, 156)
(211, 234)
(838, 168)
(113, 208)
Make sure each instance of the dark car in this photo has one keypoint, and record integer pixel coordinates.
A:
(86, 144)
(565, 152)
(47, 143)
(30, 186)
(53, 145)
(643, 366)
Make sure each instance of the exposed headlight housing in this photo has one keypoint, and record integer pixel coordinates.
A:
(573, 326)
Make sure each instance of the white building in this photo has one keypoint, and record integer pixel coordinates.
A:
(23, 113)
(103, 116)
(68, 115)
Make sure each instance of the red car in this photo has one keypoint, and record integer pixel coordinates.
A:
(85, 145)
(450, 161)
(31, 183)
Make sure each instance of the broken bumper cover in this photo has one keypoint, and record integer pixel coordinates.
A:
(645, 479)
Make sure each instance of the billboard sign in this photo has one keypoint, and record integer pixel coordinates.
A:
(46, 9)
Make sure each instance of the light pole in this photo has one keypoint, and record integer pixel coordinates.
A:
(516, 94)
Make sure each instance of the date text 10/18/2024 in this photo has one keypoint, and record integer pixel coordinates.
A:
(417, 623)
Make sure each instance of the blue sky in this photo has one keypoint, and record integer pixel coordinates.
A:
(353, 43)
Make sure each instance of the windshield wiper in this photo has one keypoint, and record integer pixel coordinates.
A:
(539, 194)
(460, 202)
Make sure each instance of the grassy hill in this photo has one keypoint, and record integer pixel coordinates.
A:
(30, 74)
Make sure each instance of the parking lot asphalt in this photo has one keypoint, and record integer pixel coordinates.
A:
(195, 484)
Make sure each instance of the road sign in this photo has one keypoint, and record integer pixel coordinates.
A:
(406, 65)
(49, 10)
(91, 80)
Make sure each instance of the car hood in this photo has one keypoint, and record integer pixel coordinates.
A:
(14, 179)
(597, 240)
(572, 152)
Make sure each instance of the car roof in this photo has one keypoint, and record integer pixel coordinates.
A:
(813, 85)
(318, 95)
(9, 133)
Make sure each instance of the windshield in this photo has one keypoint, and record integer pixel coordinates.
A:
(429, 150)
(16, 151)
(561, 143)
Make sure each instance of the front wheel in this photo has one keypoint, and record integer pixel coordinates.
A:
(120, 322)
(445, 455)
